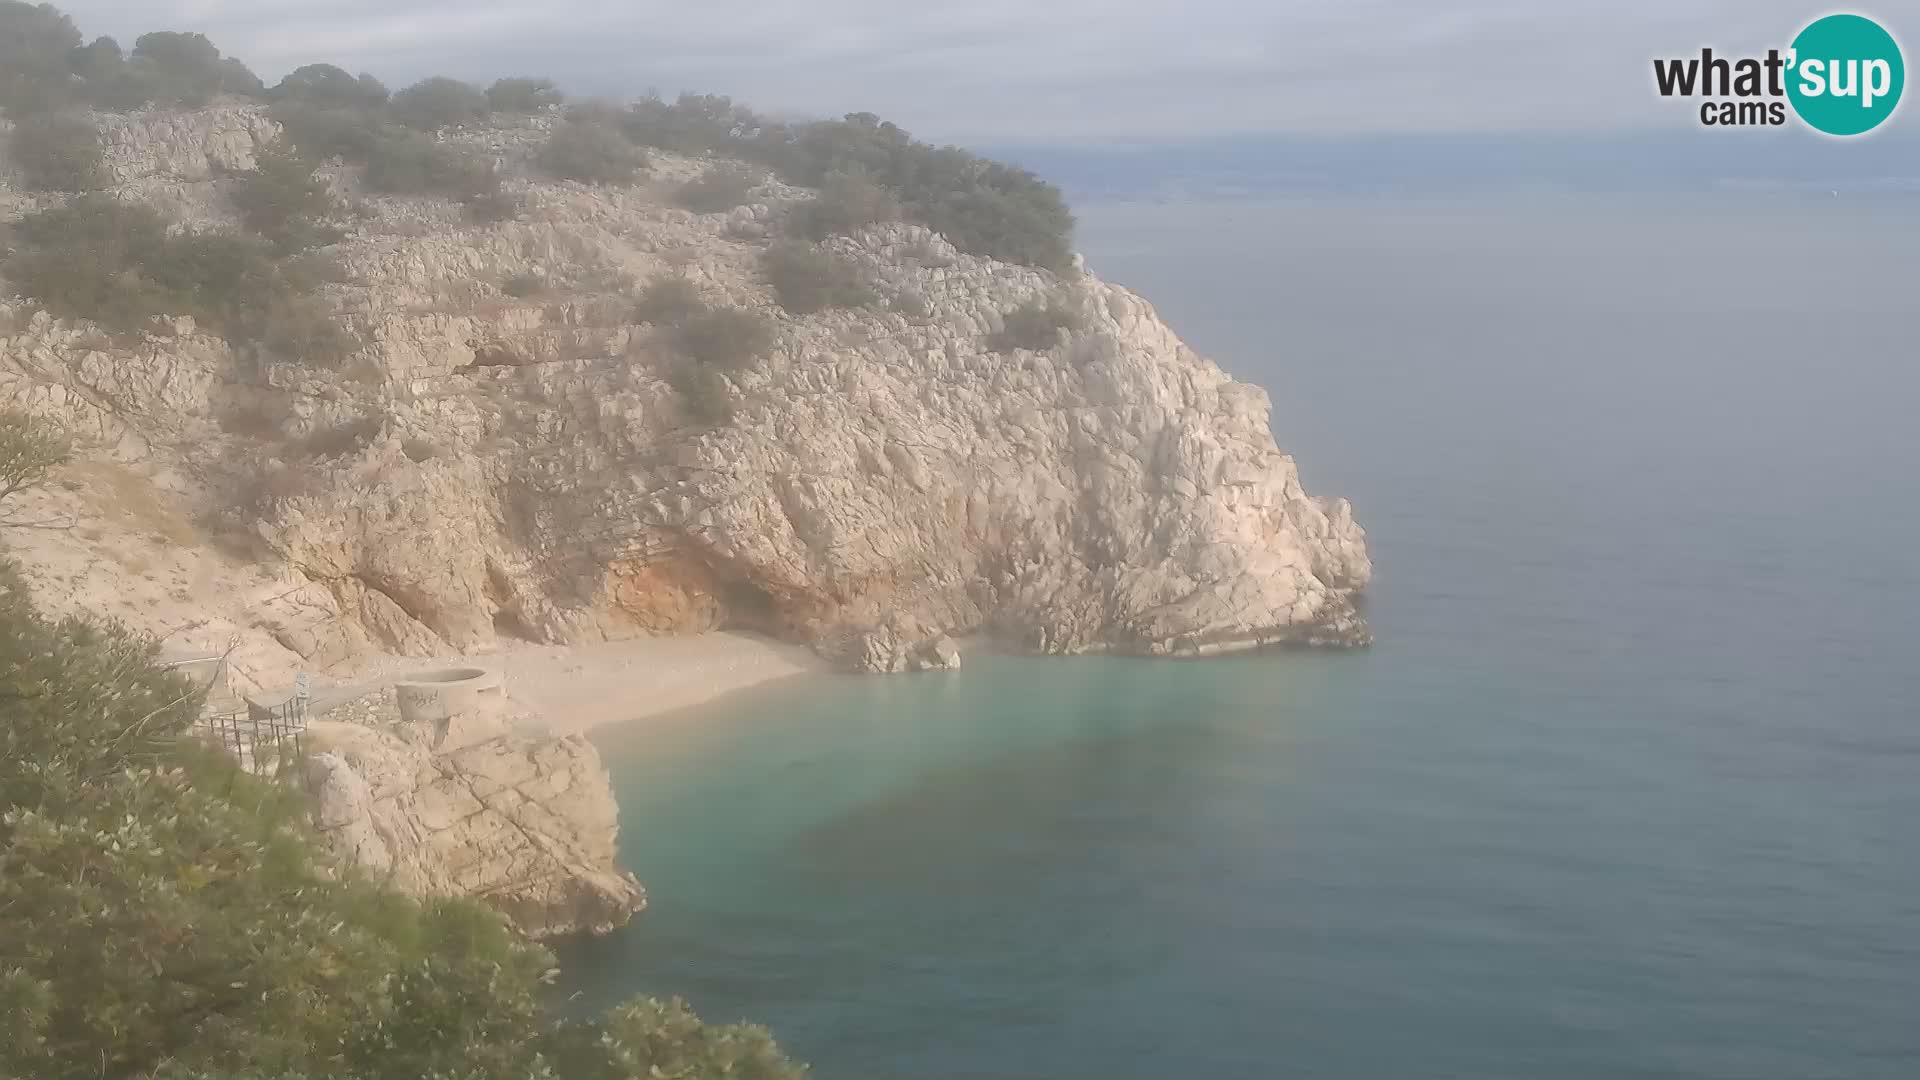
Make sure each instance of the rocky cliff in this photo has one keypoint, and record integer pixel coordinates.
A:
(522, 467)
(525, 823)
(504, 457)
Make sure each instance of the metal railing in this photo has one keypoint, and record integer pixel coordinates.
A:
(266, 739)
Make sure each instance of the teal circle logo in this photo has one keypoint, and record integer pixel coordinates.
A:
(1845, 75)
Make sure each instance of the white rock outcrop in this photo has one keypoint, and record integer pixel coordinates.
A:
(525, 824)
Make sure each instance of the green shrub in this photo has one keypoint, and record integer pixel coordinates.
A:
(1033, 325)
(694, 124)
(186, 69)
(97, 60)
(302, 329)
(847, 203)
(806, 279)
(283, 201)
(173, 920)
(720, 188)
(43, 66)
(57, 152)
(35, 42)
(911, 304)
(591, 152)
(489, 207)
(417, 165)
(342, 439)
(323, 131)
(523, 94)
(96, 258)
(432, 104)
(983, 207)
(728, 338)
(31, 447)
(705, 393)
(329, 87)
(524, 285)
(668, 300)
(91, 259)
(107, 80)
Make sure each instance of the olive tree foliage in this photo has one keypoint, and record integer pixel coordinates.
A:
(187, 69)
(721, 187)
(847, 203)
(118, 265)
(326, 113)
(57, 151)
(668, 300)
(1034, 325)
(523, 94)
(589, 149)
(806, 279)
(284, 202)
(327, 86)
(35, 41)
(438, 102)
(170, 918)
(31, 447)
(43, 66)
(983, 207)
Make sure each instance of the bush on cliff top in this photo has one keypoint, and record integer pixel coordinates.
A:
(438, 102)
(416, 165)
(806, 279)
(57, 152)
(720, 188)
(590, 151)
(35, 41)
(668, 300)
(847, 203)
(1034, 325)
(176, 921)
(330, 87)
(983, 207)
(116, 264)
(523, 94)
(727, 338)
(284, 202)
(44, 67)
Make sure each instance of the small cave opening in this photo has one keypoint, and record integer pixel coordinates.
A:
(747, 606)
(508, 624)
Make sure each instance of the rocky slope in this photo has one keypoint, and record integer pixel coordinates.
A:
(525, 824)
(504, 459)
(527, 471)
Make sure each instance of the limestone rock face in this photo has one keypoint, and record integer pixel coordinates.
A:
(526, 825)
(496, 463)
(183, 145)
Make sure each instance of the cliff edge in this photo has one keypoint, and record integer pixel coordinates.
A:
(506, 454)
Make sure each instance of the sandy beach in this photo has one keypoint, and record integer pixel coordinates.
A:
(581, 687)
(570, 689)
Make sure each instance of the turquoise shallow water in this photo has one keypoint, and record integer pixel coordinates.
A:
(1626, 789)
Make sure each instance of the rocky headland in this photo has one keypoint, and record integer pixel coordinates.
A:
(504, 458)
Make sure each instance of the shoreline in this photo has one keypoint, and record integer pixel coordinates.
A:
(577, 689)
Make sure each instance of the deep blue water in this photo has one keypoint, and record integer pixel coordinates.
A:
(1627, 788)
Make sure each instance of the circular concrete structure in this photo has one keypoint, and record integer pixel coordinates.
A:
(429, 697)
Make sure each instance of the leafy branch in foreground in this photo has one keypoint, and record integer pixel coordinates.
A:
(30, 448)
(170, 918)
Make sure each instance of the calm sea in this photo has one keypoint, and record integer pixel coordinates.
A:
(1628, 788)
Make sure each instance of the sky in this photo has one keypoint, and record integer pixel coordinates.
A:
(1051, 68)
